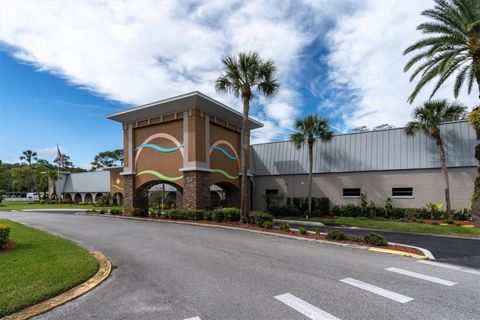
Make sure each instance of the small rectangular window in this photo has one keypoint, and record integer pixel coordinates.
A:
(271, 191)
(351, 192)
(402, 192)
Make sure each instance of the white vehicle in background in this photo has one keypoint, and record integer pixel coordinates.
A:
(32, 196)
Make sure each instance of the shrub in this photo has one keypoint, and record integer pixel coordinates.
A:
(116, 212)
(449, 221)
(317, 231)
(259, 218)
(231, 214)
(375, 239)
(4, 234)
(218, 215)
(409, 213)
(435, 223)
(139, 212)
(285, 211)
(207, 215)
(93, 211)
(102, 211)
(355, 238)
(464, 214)
(348, 210)
(302, 230)
(336, 235)
(285, 227)
(268, 225)
(320, 206)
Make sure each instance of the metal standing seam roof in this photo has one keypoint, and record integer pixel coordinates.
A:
(389, 149)
(92, 181)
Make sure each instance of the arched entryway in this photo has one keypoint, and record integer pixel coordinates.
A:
(118, 199)
(88, 197)
(98, 196)
(67, 197)
(224, 194)
(77, 198)
(158, 195)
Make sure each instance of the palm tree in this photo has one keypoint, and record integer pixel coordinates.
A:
(451, 47)
(243, 75)
(427, 118)
(30, 156)
(54, 177)
(309, 129)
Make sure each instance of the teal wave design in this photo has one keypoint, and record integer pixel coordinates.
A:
(225, 152)
(225, 174)
(158, 148)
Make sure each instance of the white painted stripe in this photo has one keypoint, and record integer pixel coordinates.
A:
(377, 290)
(194, 318)
(450, 266)
(304, 308)
(421, 276)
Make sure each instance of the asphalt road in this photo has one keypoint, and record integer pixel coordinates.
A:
(171, 271)
(454, 250)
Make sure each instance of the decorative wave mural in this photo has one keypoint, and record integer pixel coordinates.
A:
(159, 148)
(225, 174)
(160, 175)
(225, 152)
(147, 145)
(117, 187)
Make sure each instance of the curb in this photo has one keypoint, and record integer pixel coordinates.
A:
(400, 253)
(104, 270)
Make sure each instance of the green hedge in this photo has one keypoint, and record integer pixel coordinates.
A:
(4, 234)
(352, 210)
(320, 206)
(260, 218)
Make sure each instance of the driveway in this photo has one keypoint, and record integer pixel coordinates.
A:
(454, 250)
(171, 271)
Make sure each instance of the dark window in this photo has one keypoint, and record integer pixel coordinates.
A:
(402, 192)
(271, 191)
(351, 192)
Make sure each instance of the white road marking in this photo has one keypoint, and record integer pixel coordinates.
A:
(194, 318)
(421, 276)
(450, 266)
(305, 308)
(377, 290)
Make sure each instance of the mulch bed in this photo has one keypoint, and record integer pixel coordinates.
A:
(9, 246)
(297, 234)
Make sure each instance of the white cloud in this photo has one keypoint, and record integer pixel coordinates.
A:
(48, 153)
(141, 51)
(366, 59)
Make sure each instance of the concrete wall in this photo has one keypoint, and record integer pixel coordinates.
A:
(427, 186)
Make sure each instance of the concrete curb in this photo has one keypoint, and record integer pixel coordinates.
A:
(400, 253)
(300, 223)
(104, 270)
(43, 210)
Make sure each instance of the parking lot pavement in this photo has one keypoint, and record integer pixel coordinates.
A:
(171, 271)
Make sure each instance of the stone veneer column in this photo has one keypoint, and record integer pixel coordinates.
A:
(178, 199)
(128, 193)
(196, 190)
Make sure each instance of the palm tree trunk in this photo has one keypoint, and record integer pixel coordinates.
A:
(475, 209)
(34, 180)
(443, 160)
(310, 170)
(245, 145)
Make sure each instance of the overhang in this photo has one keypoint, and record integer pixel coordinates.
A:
(184, 102)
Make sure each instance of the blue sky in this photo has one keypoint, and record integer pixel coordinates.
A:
(65, 65)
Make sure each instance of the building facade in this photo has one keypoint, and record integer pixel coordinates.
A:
(192, 143)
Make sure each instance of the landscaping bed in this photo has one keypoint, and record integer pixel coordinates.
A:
(18, 206)
(427, 226)
(39, 267)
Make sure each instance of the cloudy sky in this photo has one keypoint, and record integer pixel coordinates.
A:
(65, 64)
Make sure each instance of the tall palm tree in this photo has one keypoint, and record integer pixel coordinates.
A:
(451, 48)
(244, 75)
(427, 118)
(30, 157)
(309, 129)
(53, 176)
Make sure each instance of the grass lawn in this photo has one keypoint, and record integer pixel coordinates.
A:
(396, 225)
(25, 205)
(41, 266)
